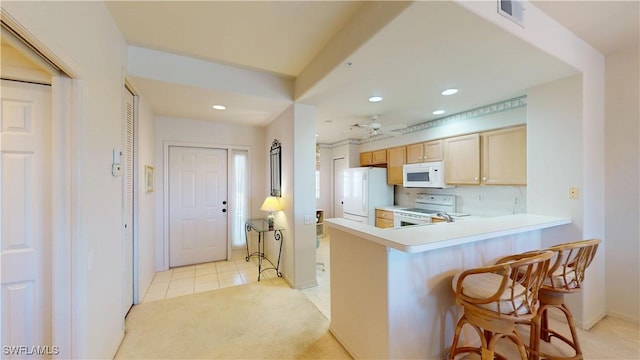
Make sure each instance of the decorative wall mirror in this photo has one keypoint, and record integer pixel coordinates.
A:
(276, 171)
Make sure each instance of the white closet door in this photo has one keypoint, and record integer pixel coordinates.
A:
(197, 205)
(25, 218)
(338, 187)
(127, 247)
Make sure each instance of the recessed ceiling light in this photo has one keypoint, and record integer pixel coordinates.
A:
(219, 107)
(438, 112)
(375, 99)
(449, 92)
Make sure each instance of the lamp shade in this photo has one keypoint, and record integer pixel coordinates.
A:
(270, 204)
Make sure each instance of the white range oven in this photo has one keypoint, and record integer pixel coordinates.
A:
(426, 206)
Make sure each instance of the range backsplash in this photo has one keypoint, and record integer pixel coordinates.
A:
(474, 200)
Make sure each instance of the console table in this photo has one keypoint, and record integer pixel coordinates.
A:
(261, 227)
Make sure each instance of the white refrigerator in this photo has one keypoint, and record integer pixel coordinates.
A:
(365, 188)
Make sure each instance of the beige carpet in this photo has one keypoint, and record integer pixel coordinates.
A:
(266, 320)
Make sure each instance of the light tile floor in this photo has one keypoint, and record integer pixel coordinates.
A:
(204, 277)
(320, 295)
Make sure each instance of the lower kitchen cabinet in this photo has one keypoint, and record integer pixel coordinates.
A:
(384, 219)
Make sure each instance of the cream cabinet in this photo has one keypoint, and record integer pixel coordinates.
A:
(415, 153)
(504, 156)
(462, 160)
(370, 158)
(433, 150)
(384, 218)
(396, 158)
(424, 152)
(496, 157)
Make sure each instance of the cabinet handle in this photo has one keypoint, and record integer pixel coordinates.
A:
(475, 178)
(484, 179)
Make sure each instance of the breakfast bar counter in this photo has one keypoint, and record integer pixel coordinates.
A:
(391, 288)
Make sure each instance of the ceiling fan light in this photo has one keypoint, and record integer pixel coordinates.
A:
(449, 91)
(374, 99)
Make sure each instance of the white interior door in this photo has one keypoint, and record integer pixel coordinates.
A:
(128, 189)
(338, 187)
(25, 220)
(197, 205)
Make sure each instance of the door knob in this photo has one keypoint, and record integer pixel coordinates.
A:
(224, 210)
(224, 202)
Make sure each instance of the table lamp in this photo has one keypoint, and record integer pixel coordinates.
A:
(270, 204)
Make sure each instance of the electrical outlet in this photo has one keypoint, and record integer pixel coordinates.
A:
(574, 192)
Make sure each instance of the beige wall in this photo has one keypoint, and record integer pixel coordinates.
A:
(622, 193)
(145, 228)
(295, 129)
(98, 60)
(214, 134)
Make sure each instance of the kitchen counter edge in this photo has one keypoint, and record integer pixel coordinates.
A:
(430, 237)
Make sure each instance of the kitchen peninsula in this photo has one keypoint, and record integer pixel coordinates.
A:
(391, 288)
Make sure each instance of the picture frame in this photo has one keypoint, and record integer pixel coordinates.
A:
(148, 178)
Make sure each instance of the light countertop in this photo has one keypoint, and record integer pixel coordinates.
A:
(464, 230)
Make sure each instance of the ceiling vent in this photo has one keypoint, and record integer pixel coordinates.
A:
(512, 9)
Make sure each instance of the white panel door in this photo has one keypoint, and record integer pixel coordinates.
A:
(197, 205)
(25, 221)
(338, 187)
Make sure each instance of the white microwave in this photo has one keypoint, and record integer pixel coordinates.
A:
(424, 175)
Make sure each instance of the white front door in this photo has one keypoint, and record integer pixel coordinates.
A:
(25, 220)
(338, 187)
(197, 205)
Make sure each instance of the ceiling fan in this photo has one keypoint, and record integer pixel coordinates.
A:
(374, 128)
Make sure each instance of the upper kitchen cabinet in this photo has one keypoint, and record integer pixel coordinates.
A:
(371, 158)
(396, 158)
(424, 152)
(503, 153)
(504, 156)
(433, 150)
(462, 160)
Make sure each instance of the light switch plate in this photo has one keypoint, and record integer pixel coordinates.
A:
(309, 219)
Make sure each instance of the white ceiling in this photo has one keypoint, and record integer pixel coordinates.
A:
(428, 47)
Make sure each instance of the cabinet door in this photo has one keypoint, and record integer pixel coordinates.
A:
(462, 159)
(432, 151)
(384, 223)
(504, 157)
(384, 214)
(366, 158)
(415, 153)
(396, 157)
(379, 157)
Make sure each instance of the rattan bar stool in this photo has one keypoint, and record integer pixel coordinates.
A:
(495, 298)
(565, 275)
